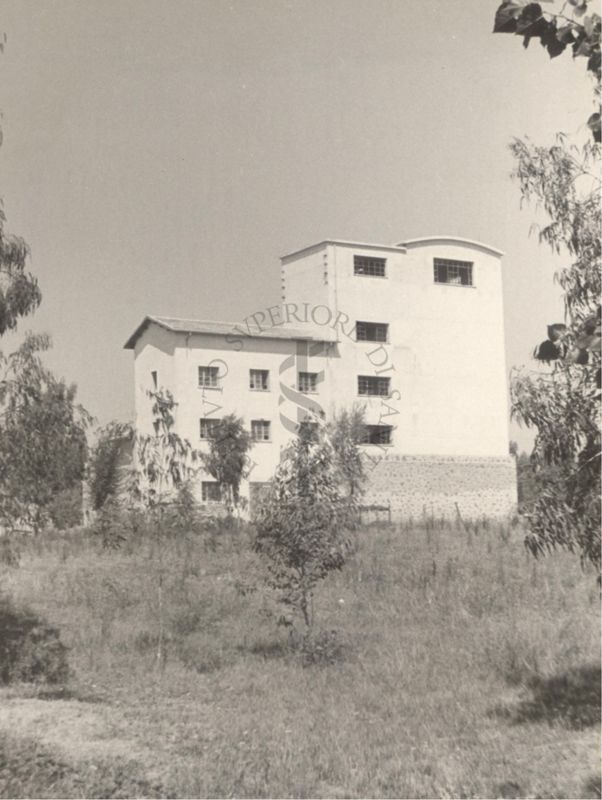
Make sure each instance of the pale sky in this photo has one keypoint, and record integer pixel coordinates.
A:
(160, 155)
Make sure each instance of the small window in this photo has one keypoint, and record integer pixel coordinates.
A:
(365, 265)
(209, 377)
(211, 492)
(208, 425)
(260, 430)
(259, 380)
(371, 385)
(456, 273)
(154, 379)
(308, 382)
(377, 434)
(371, 331)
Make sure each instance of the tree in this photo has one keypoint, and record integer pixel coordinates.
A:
(164, 465)
(20, 294)
(164, 462)
(346, 431)
(227, 459)
(43, 445)
(105, 462)
(304, 524)
(19, 291)
(562, 403)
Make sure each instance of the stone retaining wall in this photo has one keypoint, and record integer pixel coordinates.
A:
(433, 485)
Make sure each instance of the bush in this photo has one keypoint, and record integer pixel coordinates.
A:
(28, 769)
(30, 648)
(321, 647)
(65, 509)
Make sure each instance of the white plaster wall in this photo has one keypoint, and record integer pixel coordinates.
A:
(445, 357)
(187, 352)
(154, 351)
(445, 354)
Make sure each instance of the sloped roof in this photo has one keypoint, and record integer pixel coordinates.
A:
(235, 329)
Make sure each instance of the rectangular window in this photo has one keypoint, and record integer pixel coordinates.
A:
(371, 331)
(457, 273)
(208, 426)
(366, 265)
(259, 380)
(308, 382)
(210, 492)
(377, 434)
(208, 377)
(154, 379)
(260, 430)
(371, 385)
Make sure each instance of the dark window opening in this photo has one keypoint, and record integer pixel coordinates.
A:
(308, 381)
(209, 377)
(366, 265)
(456, 273)
(211, 492)
(371, 331)
(208, 425)
(377, 434)
(259, 380)
(370, 385)
(260, 430)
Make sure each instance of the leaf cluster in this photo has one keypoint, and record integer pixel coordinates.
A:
(557, 32)
(227, 460)
(346, 430)
(20, 294)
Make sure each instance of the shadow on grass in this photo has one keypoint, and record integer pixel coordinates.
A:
(67, 693)
(267, 650)
(572, 698)
(36, 691)
(593, 787)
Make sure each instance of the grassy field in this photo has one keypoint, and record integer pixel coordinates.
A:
(464, 668)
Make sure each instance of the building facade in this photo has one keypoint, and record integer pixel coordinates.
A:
(412, 332)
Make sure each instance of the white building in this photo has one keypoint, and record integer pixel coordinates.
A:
(414, 332)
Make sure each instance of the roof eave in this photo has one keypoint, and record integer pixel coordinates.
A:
(399, 248)
(453, 240)
(131, 342)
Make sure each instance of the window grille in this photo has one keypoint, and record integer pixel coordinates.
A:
(367, 265)
(259, 380)
(457, 273)
(209, 377)
(308, 381)
(377, 434)
(371, 385)
(371, 331)
(207, 427)
(260, 430)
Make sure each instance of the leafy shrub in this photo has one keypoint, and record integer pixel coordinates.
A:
(106, 460)
(30, 648)
(321, 647)
(65, 509)
(27, 769)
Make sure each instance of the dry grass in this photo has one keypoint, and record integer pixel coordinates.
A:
(467, 669)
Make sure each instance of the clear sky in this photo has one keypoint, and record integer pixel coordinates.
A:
(160, 155)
